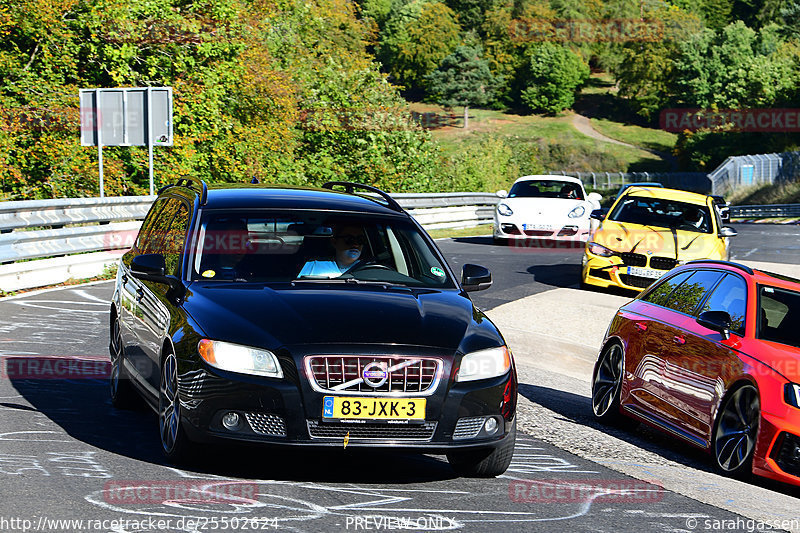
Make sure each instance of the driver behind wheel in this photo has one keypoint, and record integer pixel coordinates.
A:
(348, 244)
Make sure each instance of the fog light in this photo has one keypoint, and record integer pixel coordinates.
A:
(490, 426)
(231, 421)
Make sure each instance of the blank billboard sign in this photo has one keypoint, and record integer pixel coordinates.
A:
(126, 116)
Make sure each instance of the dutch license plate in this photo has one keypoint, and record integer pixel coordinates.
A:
(542, 227)
(646, 272)
(373, 408)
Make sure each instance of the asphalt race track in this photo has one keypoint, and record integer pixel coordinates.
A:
(67, 455)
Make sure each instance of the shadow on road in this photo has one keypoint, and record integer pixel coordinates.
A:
(83, 409)
(578, 410)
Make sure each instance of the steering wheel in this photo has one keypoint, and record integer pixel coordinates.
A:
(377, 266)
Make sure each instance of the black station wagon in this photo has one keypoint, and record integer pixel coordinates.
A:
(307, 317)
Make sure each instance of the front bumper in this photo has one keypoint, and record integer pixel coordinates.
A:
(287, 412)
(777, 454)
(566, 229)
(613, 272)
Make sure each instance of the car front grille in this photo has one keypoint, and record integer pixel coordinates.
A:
(636, 281)
(338, 430)
(663, 263)
(468, 428)
(265, 424)
(538, 232)
(633, 259)
(404, 375)
(786, 453)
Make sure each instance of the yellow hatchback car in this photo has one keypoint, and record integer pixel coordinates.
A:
(647, 232)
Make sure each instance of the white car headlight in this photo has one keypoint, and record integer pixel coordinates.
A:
(599, 249)
(238, 358)
(577, 212)
(484, 364)
(504, 210)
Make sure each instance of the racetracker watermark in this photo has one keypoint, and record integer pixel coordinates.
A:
(130, 492)
(583, 490)
(526, 29)
(54, 367)
(762, 120)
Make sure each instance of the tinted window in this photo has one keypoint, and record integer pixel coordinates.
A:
(174, 240)
(779, 312)
(662, 213)
(731, 296)
(660, 293)
(688, 295)
(276, 246)
(149, 220)
(158, 230)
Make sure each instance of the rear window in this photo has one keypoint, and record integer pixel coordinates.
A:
(278, 247)
(779, 316)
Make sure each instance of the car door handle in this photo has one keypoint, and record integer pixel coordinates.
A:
(679, 340)
(641, 326)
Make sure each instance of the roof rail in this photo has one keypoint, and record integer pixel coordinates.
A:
(718, 262)
(190, 183)
(349, 187)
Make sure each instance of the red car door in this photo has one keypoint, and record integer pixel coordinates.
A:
(703, 362)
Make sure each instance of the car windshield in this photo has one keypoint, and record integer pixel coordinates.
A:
(780, 312)
(657, 212)
(546, 189)
(270, 246)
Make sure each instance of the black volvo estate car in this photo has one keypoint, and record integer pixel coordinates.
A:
(307, 317)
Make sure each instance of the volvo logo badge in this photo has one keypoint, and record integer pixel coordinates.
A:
(375, 374)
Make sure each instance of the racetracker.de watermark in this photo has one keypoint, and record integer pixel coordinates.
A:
(138, 492)
(584, 490)
(528, 29)
(54, 367)
(762, 120)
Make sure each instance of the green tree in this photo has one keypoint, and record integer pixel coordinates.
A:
(416, 38)
(552, 78)
(463, 79)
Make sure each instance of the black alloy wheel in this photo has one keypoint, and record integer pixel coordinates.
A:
(735, 432)
(607, 383)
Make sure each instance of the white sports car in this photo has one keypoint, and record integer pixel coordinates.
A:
(545, 207)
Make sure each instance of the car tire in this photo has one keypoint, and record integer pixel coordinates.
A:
(123, 395)
(174, 442)
(500, 241)
(607, 384)
(735, 432)
(485, 463)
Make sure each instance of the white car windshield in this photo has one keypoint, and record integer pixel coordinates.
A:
(546, 189)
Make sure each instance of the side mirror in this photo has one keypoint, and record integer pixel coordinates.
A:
(594, 197)
(719, 321)
(152, 267)
(599, 214)
(726, 231)
(502, 193)
(475, 278)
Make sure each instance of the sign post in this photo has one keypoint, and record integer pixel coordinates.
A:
(134, 116)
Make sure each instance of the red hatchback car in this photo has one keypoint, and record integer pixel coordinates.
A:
(711, 353)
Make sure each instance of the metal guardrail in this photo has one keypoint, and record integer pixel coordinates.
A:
(79, 225)
(765, 211)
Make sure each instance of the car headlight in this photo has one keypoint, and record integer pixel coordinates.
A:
(238, 358)
(504, 210)
(577, 212)
(484, 364)
(791, 394)
(599, 249)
